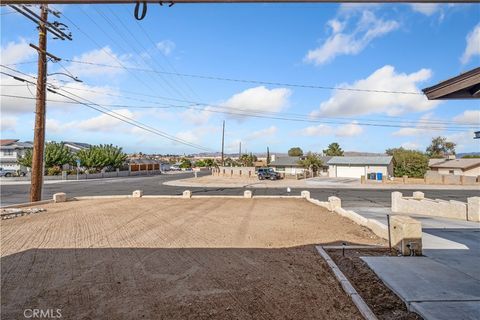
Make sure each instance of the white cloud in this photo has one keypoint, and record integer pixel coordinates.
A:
(319, 130)
(13, 105)
(264, 133)
(360, 103)
(257, 99)
(473, 45)
(15, 52)
(195, 116)
(196, 135)
(104, 122)
(8, 123)
(410, 145)
(346, 130)
(166, 47)
(101, 56)
(349, 130)
(367, 29)
(427, 125)
(427, 9)
(464, 141)
(189, 136)
(468, 117)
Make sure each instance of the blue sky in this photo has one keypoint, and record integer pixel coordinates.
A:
(399, 48)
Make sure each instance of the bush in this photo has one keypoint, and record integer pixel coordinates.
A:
(54, 171)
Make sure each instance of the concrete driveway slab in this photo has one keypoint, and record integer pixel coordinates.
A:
(465, 310)
(417, 279)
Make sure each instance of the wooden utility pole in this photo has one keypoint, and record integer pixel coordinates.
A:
(223, 144)
(40, 110)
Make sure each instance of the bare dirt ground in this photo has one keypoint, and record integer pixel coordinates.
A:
(176, 259)
(383, 302)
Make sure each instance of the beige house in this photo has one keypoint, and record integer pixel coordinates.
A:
(355, 167)
(460, 167)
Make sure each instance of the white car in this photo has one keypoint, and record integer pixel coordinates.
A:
(11, 173)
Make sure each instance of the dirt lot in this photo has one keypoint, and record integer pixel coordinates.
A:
(176, 259)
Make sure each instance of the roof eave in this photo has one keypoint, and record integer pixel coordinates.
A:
(463, 86)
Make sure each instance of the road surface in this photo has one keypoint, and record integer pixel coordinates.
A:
(153, 185)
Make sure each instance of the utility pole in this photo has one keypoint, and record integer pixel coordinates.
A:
(223, 144)
(240, 150)
(40, 110)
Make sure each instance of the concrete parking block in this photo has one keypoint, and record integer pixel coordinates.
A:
(59, 197)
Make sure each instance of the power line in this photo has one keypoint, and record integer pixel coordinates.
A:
(111, 113)
(260, 112)
(266, 114)
(283, 84)
(242, 114)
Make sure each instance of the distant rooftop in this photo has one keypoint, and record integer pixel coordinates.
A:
(293, 161)
(377, 160)
(457, 164)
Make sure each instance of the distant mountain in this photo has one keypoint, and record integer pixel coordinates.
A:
(461, 155)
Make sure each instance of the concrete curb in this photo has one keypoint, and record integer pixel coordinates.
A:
(27, 204)
(362, 306)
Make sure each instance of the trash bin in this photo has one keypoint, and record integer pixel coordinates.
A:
(372, 176)
(379, 176)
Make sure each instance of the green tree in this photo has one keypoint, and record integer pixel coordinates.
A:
(185, 163)
(229, 162)
(440, 148)
(26, 160)
(209, 163)
(410, 163)
(102, 156)
(56, 155)
(295, 152)
(333, 149)
(268, 156)
(471, 156)
(247, 160)
(312, 162)
(200, 164)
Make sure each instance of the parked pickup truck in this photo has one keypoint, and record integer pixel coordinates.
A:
(267, 173)
(11, 173)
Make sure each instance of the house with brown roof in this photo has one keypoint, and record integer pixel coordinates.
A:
(461, 167)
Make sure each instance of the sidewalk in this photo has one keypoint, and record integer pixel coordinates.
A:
(445, 283)
(310, 183)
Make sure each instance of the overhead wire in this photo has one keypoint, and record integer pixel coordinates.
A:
(276, 115)
(111, 113)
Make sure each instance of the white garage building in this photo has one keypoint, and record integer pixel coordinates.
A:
(355, 167)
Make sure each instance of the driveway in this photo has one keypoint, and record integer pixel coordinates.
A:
(444, 283)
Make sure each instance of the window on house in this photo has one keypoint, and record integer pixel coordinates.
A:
(451, 171)
(8, 152)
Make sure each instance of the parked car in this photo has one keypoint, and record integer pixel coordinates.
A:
(11, 173)
(267, 173)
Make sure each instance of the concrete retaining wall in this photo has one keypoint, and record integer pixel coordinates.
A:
(418, 204)
(334, 205)
(244, 172)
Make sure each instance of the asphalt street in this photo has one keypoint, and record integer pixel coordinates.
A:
(152, 185)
